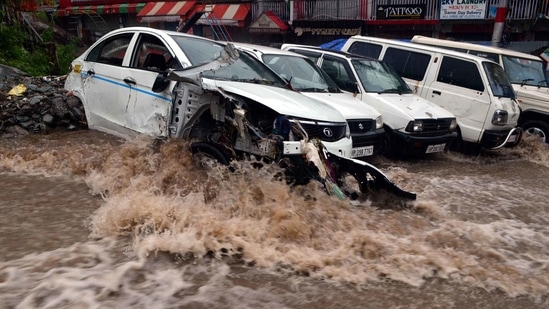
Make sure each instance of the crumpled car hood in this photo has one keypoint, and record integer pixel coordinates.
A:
(283, 101)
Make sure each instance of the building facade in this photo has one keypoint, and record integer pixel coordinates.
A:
(273, 22)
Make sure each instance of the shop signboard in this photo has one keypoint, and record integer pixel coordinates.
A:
(463, 9)
(402, 11)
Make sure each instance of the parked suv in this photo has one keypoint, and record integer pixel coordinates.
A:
(474, 89)
(365, 122)
(413, 125)
(526, 73)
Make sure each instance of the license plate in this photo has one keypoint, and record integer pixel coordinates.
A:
(362, 151)
(435, 148)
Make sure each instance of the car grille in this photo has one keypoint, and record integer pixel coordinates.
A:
(325, 131)
(360, 125)
(433, 127)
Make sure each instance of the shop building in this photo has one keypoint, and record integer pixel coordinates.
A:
(313, 21)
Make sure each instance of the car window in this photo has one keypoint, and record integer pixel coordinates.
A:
(408, 64)
(112, 50)
(366, 49)
(498, 80)
(152, 54)
(461, 73)
(302, 73)
(379, 77)
(340, 71)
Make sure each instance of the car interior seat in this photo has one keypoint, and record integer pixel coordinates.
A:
(154, 62)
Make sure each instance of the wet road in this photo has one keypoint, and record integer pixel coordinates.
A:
(91, 221)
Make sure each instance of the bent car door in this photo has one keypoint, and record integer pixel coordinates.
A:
(147, 111)
(101, 80)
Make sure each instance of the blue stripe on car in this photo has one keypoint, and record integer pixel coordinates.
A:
(169, 99)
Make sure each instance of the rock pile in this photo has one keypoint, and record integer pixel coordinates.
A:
(37, 105)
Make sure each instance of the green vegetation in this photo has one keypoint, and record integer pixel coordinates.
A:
(36, 58)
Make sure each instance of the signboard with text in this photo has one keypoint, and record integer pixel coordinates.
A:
(462, 9)
(403, 11)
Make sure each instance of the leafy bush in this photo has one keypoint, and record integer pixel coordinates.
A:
(34, 58)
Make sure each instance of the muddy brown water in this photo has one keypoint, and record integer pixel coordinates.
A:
(91, 221)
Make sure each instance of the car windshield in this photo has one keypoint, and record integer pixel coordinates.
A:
(379, 77)
(524, 71)
(499, 82)
(301, 72)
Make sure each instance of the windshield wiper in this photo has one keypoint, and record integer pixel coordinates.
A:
(524, 81)
(394, 91)
(255, 81)
(313, 90)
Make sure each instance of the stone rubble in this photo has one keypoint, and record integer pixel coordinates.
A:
(42, 108)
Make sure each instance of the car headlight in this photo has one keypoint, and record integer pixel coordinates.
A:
(500, 117)
(453, 125)
(379, 122)
(415, 126)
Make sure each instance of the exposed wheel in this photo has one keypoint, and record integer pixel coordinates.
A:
(537, 128)
(209, 152)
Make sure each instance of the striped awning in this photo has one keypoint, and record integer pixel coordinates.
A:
(126, 8)
(165, 11)
(225, 14)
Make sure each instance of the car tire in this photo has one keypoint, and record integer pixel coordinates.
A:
(537, 128)
(387, 148)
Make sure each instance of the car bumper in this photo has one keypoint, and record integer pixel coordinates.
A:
(373, 139)
(414, 145)
(497, 139)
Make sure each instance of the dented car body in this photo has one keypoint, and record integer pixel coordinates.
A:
(229, 105)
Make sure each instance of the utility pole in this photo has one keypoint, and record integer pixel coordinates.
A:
(501, 14)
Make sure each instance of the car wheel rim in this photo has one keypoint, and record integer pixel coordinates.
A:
(536, 132)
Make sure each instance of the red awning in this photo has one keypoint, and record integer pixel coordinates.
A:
(225, 14)
(268, 22)
(126, 7)
(165, 11)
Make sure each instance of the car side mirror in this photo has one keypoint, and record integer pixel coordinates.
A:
(161, 82)
(352, 86)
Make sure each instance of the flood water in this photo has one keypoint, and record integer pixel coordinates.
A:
(91, 221)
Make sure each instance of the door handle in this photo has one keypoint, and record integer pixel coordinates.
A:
(437, 92)
(91, 72)
(130, 81)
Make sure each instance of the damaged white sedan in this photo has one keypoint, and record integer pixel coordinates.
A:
(230, 106)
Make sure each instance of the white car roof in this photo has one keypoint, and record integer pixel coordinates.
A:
(471, 46)
(417, 47)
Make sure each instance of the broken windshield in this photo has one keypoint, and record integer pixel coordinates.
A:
(246, 70)
(378, 77)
